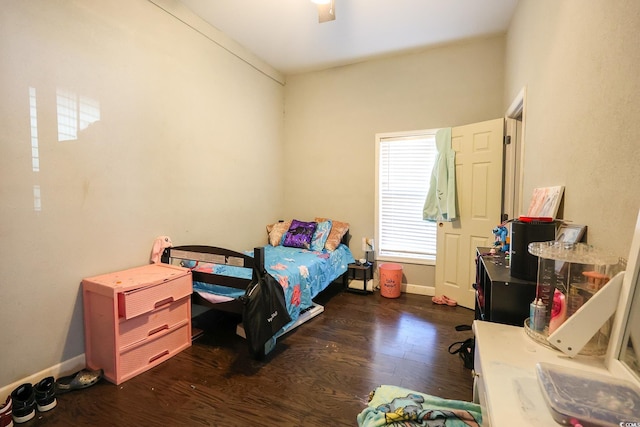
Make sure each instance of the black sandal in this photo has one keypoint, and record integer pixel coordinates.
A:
(465, 349)
(78, 381)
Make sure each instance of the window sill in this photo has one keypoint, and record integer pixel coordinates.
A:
(412, 261)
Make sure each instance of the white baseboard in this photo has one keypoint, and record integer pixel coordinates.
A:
(406, 287)
(61, 369)
(419, 289)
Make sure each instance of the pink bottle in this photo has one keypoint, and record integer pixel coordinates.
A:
(558, 311)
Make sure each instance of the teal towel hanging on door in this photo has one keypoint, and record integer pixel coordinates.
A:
(440, 204)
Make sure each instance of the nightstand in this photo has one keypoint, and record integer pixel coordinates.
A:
(367, 274)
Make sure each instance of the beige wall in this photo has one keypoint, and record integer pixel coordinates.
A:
(191, 138)
(185, 133)
(579, 62)
(332, 116)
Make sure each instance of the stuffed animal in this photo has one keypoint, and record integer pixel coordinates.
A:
(501, 242)
(159, 245)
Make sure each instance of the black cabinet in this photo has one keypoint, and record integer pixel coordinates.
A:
(500, 297)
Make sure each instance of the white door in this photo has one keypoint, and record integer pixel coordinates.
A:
(478, 150)
(511, 200)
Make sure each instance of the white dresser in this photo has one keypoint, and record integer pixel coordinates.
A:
(506, 383)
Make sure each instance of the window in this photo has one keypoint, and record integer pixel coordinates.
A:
(404, 161)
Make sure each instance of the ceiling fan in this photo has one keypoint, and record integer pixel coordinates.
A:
(326, 10)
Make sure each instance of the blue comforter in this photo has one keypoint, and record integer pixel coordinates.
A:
(302, 273)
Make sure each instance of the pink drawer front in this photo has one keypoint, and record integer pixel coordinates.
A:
(146, 325)
(152, 352)
(145, 299)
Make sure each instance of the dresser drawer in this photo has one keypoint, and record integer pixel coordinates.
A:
(136, 318)
(153, 351)
(147, 325)
(145, 299)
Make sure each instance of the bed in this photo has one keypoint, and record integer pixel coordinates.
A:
(221, 276)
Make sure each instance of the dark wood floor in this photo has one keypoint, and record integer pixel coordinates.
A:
(319, 375)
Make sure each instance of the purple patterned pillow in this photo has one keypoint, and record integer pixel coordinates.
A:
(300, 234)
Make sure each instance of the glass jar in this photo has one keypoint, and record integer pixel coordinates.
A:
(569, 274)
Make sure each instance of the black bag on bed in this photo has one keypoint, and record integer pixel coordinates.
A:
(264, 312)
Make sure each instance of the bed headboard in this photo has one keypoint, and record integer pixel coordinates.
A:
(346, 238)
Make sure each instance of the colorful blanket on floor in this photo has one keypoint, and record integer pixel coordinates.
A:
(396, 406)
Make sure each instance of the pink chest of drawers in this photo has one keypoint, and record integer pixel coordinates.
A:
(135, 319)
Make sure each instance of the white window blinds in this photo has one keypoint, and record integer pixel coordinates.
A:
(404, 165)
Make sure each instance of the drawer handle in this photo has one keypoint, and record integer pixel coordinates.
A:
(154, 358)
(163, 302)
(158, 329)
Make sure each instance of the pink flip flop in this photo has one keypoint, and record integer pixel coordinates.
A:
(449, 301)
(444, 300)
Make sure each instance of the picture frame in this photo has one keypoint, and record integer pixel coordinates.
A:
(570, 233)
(545, 201)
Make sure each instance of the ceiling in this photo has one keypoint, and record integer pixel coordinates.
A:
(287, 35)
